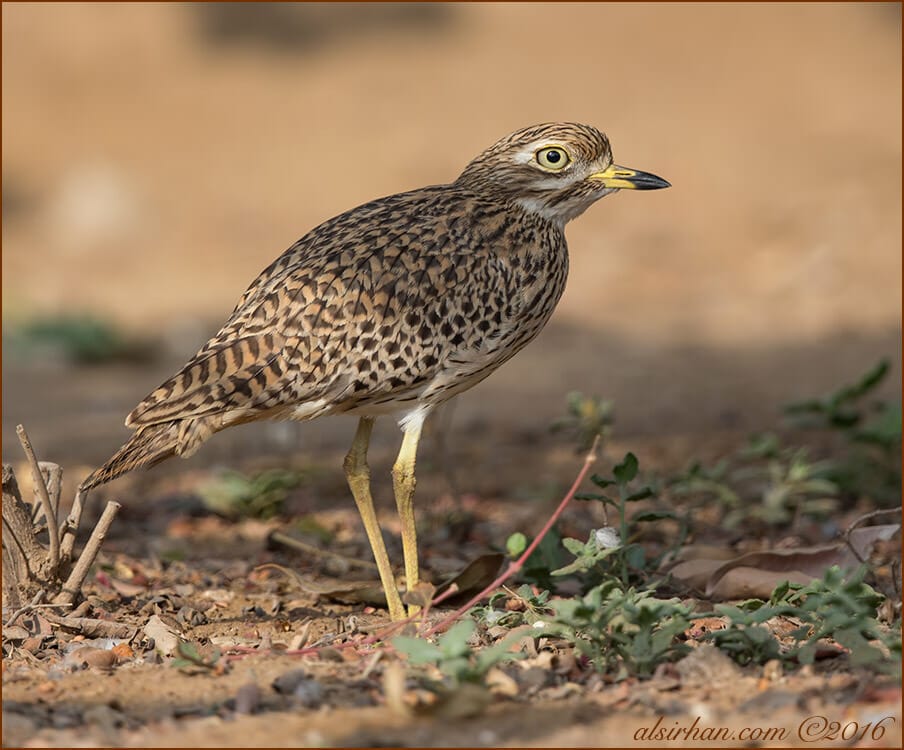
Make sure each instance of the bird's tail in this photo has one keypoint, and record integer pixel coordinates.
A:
(150, 445)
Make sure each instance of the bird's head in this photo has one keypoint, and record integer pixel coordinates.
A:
(556, 170)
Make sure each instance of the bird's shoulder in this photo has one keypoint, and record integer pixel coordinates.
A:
(429, 230)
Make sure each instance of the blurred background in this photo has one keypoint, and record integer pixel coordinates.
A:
(157, 156)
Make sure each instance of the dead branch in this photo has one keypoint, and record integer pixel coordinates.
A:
(26, 561)
(70, 526)
(41, 490)
(34, 604)
(11, 595)
(53, 480)
(31, 566)
(91, 627)
(80, 570)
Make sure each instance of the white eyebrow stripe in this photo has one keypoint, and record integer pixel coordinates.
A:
(526, 155)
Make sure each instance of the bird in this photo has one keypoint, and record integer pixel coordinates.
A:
(391, 308)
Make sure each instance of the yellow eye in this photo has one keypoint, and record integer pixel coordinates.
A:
(552, 157)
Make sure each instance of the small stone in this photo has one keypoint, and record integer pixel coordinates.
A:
(306, 690)
(500, 683)
(104, 717)
(247, 698)
(772, 670)
(533, 678)
(17, 729)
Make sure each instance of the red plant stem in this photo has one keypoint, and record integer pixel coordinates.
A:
(516, 565)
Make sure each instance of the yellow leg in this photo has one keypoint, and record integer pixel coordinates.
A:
(403, 482)
(358, 475)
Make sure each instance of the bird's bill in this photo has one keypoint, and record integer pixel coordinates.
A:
(624, 178)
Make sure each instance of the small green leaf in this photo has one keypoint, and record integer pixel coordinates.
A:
(635, 556)
(574, 546)
(454, 642)
(418, 650)
(516, 544)
(652, 515)
(640, 495)
(627, 469)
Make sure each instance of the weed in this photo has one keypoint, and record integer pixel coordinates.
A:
(237, 495)
(870, 430)
(83, 339)
(834, 607)
(587, 417)
(454, 657)
(763, 482)
(610, 550)
(546, 558)
(625, 631)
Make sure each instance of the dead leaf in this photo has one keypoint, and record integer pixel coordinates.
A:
(35, 643)
(745, 582)
(15, 633)
(420, 595)
(166, 637)
(475, 577)
(348, 592)
(695, 573)
(756, 574)
(125, 588)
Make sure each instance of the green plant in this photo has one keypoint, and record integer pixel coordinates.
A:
(532, 605)
(763, 482)
(845, 409)
(83, 339)
(237, 495)
(871, 432)
(833, 607)
(587, 417)
(610, 551)
(622, 631)
(453, 657)
(539, 565)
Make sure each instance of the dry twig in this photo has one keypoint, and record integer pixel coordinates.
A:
(31, 569)
(41, 490)
(92, 628)
(80, 571)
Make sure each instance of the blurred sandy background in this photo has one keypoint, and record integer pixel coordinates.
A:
(157, 156)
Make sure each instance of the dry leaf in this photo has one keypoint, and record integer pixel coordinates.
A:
(166, 637)
(475, 577)
(348, 592)
(756, 574)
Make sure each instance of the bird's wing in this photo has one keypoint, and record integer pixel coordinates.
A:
(326, 320)
(282, 342)
(222, 376)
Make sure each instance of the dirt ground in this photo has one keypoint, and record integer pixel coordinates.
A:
(155, 158)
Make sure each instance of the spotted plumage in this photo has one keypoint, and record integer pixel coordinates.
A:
(394, 306)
